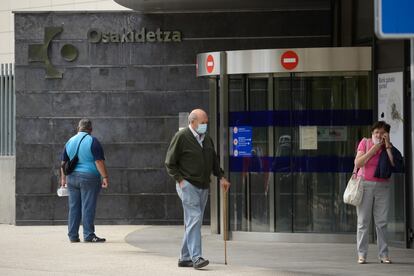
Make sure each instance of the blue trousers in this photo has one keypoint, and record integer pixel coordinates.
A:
(194, 202)
(83, 194)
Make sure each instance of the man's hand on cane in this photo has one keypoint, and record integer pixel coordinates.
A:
(225, 184)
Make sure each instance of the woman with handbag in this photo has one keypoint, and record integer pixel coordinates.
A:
(376, 191)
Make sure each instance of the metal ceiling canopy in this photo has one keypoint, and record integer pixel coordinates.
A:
(220, 5)
(264, 61)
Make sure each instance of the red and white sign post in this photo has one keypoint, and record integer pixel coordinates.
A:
(289, 60)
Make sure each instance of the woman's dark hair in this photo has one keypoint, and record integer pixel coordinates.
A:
(379, 125)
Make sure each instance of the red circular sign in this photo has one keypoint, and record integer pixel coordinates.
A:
(289, 60)
(210, 63)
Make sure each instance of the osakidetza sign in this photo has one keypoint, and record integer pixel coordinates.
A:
(133, 36)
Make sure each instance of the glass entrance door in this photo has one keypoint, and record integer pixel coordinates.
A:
(303, 130)
(327, 116)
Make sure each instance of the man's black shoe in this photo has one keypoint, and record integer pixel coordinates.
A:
(188, 263)
(96, 239)
(75, 240)
(200, 263)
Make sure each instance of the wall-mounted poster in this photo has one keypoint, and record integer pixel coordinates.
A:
(390, 106)
(308, 137)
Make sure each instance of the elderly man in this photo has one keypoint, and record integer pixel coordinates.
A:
(85, 182)
(190, 160)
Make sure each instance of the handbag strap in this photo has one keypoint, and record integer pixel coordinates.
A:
(366, 149)
(355, 171)
(77, 150)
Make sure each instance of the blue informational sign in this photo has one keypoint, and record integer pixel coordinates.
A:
(242, 140)
(394, 18)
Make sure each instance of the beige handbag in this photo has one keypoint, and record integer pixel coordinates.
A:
(354, 191)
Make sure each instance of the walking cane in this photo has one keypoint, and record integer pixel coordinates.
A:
(225, 234)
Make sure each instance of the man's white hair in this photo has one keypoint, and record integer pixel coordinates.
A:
(192, 117)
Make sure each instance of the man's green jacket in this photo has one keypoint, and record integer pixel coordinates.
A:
(186, 159)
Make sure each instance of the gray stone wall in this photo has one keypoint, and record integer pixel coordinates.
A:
(133, 92)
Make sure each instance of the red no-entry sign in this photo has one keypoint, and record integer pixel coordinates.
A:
(289, 60)
(210, 64)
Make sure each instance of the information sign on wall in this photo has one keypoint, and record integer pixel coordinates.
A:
(242, 141)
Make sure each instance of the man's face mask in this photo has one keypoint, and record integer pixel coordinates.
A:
(202, 128)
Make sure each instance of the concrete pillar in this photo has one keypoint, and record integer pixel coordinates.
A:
(8, 189)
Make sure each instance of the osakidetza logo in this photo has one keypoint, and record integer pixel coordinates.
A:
(40, 52)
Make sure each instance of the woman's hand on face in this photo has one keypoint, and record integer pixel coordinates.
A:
(376, 147)
(386, 139)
